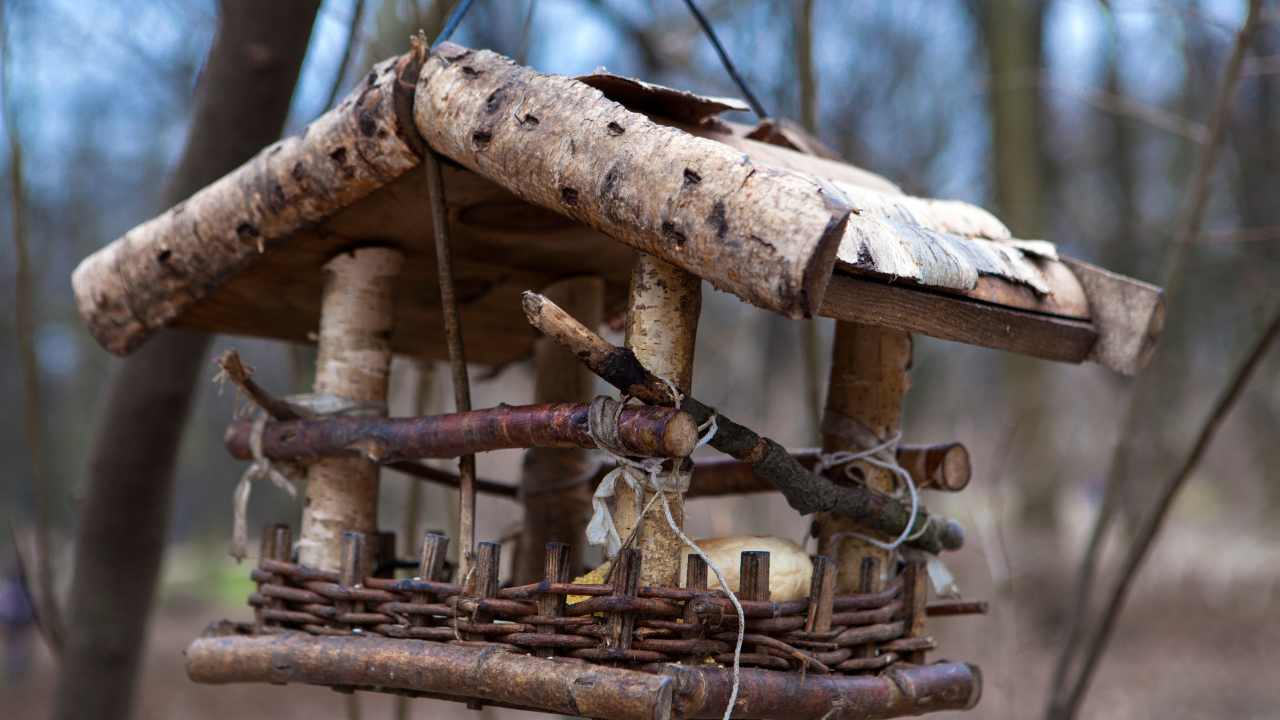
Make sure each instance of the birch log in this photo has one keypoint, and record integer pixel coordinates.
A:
(766, 235)
(556, 506)
(661, 330)
(353, 363)
(145, 280)
(868, 381)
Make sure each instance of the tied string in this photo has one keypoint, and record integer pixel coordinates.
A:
(881, 453)
(652, 474)
(282, 474)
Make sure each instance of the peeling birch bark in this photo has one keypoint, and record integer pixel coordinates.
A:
(766, 235)
(661, 331)
(353, 363)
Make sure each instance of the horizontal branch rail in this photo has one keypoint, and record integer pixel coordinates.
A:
(932, 467)
(642, 431)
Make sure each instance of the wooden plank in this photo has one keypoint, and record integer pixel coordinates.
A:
(954, 318)
(1128, 314)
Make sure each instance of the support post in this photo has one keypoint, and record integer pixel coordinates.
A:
(556, 507)
(661, 329)
(868, 381)
(353, 363)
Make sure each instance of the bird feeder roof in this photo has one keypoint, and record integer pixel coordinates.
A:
(551, 177)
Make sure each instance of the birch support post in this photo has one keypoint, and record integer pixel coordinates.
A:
(556, 507)
(661, 329)
(868, 381)
(353, 363)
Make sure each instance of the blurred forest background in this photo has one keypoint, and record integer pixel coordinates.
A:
(1078, 121)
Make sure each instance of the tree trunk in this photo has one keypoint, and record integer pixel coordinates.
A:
(240, 105)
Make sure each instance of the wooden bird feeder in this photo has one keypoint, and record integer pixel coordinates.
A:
(607, 198)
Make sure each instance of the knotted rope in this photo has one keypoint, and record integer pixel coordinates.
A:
(881, 453)
(648, 473)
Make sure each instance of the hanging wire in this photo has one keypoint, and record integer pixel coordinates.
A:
(750, 97)
(451, 24)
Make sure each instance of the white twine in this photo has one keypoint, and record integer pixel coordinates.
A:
(603, 531)
(883, 455)
(308, 405)
(262, 468)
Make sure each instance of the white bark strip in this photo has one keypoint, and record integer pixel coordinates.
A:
(353, 363)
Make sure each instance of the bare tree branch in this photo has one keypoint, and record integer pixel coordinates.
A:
(1064, 703)
(46, 600)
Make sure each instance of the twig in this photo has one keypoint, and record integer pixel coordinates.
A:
(457, 351)
(805, 491)
(24, 302)
(237, 373)
(1060, 706)
(1155, 521)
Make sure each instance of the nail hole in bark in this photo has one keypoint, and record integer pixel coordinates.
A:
(718, 220)
(494, 101)
(615, 128)
(471, 72)
(481, 137)
(367, 124)
(691, 177)
(670, 232)
(569, 196)
(164, 255)
(278, 198)
(246, 230)
(339, 156)
(529, 121)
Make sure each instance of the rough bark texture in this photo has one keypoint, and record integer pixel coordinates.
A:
(932, 467)
(806, 492)
(642, 431)
(703, 692)
(506, 679)
(240, 105)
(868, 381)
(353, 363)
(150, 276)
(556, 508)
(768, 236)
(485, 673)
(661, 332)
